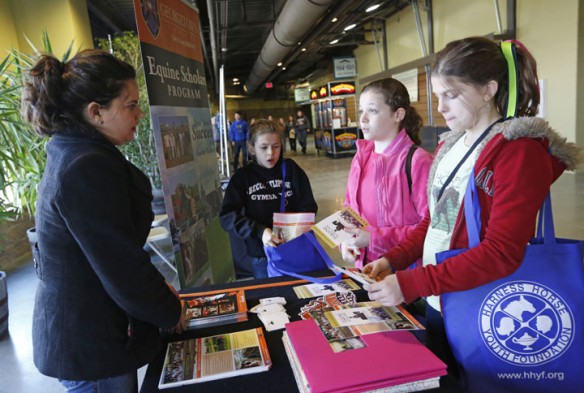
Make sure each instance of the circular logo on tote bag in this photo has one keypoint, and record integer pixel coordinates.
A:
(525, 323)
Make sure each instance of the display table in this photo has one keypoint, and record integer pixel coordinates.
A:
(280, 377)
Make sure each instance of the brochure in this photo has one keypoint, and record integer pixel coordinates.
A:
(314, 290)
(212, 309)
(288, 226)
(332, 229)
(215, 357)
(351, 320)
(354, 273)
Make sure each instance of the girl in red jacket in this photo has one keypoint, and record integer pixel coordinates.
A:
(515, 161)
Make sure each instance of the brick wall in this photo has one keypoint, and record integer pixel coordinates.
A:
(14, 246)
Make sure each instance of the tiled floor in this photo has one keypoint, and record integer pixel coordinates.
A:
(327, 176)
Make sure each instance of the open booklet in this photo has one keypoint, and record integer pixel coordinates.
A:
(332, 229)
(215, 357)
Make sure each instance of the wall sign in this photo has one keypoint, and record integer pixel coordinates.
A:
(345, 67)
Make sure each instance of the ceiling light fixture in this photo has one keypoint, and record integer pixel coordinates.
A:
(303, 49)
(333, 42)
(279, 64)
(334, 20)
(283, 68)
(372, 8)
(352, 26)
(235, 79)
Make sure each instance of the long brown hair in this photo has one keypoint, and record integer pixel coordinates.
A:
(478, 60)
(396, 96)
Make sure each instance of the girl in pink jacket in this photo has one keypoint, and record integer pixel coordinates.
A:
(391, 198)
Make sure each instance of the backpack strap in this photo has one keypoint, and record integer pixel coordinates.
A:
(409, 165)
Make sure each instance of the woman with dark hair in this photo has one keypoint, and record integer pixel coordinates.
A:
(388, 175)
(100, 303)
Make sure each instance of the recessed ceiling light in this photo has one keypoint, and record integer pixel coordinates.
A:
(303, 49)
(334, 20)
(333, 42)
(351, 26)
(279, 64)
(372, 8)
(283, 68)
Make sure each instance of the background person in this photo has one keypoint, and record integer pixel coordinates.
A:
(378, 187)
(238, 134)
(283, 130)
(302, 126)
(254, 192)
(513, 173)
(291, 132)
(100, 302)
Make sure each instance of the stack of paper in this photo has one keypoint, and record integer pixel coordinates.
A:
(392, 361)
(212, 309)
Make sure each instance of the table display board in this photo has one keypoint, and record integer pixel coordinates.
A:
(335, 118)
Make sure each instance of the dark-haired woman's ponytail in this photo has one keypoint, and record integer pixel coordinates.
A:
(41, 104)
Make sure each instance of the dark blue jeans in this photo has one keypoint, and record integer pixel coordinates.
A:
(239, 146)
(126, 383)
(260, 267)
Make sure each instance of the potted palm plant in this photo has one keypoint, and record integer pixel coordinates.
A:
(23, 156)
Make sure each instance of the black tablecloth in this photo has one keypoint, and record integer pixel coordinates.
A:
(280, 377)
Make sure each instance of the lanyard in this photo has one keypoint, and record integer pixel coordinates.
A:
(283, 197)
(468, 153)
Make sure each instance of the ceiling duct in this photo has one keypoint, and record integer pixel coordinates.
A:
(295, 20)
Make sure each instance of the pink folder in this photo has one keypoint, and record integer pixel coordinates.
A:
(390, 358)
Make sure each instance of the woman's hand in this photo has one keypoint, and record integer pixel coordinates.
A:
(386, 292)
(181, 325)
(349, 253)
(269, 240)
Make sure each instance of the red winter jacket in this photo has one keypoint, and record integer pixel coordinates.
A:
(513, 174)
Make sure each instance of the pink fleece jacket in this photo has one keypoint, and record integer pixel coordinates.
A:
(398, 212)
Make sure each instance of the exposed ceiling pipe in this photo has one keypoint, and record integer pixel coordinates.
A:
(211, 13)
(106, 20)
(295, 20)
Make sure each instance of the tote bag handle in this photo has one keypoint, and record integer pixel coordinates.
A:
(472, 214)
(283, 196)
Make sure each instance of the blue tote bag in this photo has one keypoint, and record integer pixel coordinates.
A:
(523, 332)
(302, 254)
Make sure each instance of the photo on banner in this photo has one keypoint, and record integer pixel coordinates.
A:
(172, 54)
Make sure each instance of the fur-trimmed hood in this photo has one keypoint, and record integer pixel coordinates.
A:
(568, 153)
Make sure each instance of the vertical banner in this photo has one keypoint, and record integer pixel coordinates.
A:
(177, 91)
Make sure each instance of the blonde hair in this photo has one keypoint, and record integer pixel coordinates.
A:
(262, 127)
